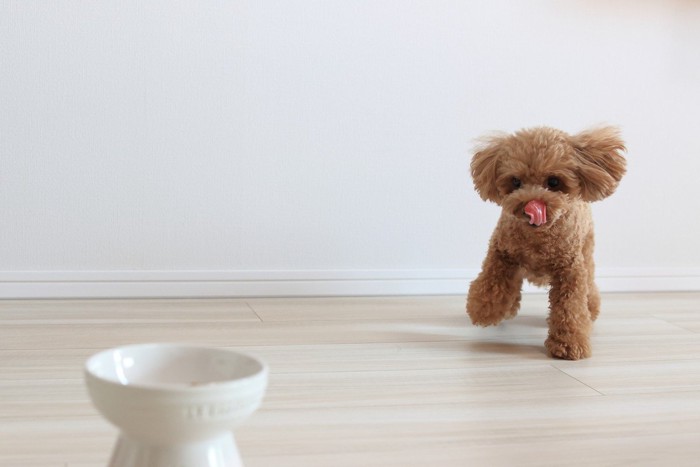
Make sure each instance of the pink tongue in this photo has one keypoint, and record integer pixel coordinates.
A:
(537, 211)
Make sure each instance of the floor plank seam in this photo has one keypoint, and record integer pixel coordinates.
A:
(679, 326)
(576, 379)
(250, 307)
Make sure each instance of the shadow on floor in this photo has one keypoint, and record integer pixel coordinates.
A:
(527, 351)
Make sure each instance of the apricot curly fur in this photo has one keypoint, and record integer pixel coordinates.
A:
(587, 167)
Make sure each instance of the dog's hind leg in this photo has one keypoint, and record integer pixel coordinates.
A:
(513, 312)
(593, 300)
(495, 294)
(593, 294)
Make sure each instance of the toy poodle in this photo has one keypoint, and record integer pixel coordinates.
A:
(544, 179)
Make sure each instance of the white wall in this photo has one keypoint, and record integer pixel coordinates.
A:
(203, 144)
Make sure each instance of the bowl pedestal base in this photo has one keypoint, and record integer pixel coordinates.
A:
(220, 451)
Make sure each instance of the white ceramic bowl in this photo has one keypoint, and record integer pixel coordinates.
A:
(175, 404)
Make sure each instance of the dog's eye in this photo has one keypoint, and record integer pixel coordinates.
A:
(517, 183)
(553, 182)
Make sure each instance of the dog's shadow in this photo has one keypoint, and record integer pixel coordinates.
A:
(524, 351)
(518, 346)
(522, 336)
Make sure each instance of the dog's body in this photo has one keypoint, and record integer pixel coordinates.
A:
(544, 179)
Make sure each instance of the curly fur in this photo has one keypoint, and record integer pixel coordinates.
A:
(558, 253)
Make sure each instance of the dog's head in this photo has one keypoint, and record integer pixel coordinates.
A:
(536, 174)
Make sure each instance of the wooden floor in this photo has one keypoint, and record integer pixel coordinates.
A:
(378, 381)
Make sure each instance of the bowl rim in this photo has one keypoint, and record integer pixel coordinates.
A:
(262, 372)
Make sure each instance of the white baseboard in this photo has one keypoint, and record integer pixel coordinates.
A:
(124, 284)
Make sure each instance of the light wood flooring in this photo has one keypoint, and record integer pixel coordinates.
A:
(403, 381)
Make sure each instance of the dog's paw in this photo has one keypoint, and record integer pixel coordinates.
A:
(571, 348)
(490, 301)
(484, 313)
(485, 320)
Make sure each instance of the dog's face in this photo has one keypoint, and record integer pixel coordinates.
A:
(535, 174)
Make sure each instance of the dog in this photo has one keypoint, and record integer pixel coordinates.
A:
(544, 180)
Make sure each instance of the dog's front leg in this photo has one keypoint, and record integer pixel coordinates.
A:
(569, 317)
(495, 294)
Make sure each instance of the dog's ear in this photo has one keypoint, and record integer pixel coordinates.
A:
(484, 168)
(600, 161)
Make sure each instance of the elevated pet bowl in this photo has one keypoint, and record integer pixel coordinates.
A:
(175, 405)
